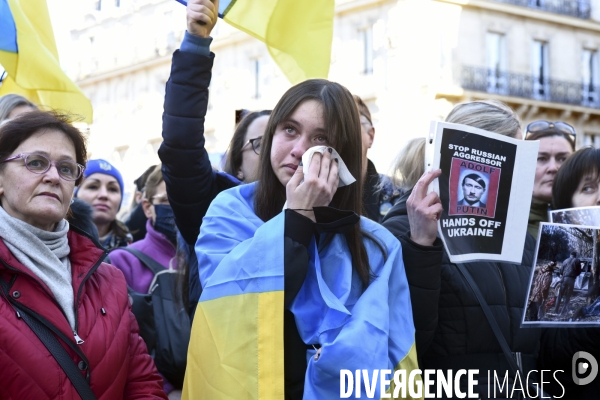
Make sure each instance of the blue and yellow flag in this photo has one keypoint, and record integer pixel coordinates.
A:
(236, 347)
(29, 56)
(298, 33)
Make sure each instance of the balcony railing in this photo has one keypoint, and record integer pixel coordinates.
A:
(574, 8)
(530, 87)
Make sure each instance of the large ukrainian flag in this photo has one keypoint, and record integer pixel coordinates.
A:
(236, 346)
(298, 33)
(29, 56)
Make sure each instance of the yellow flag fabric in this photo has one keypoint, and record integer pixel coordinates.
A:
(298, 33)
(34, 70)
(237, 349)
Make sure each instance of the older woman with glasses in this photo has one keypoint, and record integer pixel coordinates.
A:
(67, 324)
(557, 142)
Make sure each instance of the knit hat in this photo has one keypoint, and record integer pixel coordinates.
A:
(101, 166)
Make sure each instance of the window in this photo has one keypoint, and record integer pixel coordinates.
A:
(98, 5)
(589, 72)
(540, 69)
(366, 37)
(117, 3)
(496, 62)
(591, 140)
(257, 78)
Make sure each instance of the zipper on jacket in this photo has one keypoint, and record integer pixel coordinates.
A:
(78, 340)
(76, 300)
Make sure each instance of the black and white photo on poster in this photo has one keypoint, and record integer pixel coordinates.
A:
(482, 172)
(561, 285)
(589, 216)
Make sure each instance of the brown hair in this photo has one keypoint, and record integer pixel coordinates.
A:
(581, 164)
(17, 130)
(234, 152)
(342, 120)
(154, 179)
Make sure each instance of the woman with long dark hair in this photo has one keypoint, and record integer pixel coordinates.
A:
(577, 184)
(243, 152)
(293, 279)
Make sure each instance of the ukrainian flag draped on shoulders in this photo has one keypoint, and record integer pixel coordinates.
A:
(29, 56)
(236, 348)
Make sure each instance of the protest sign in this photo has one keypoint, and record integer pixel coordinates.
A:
(559, 292)
(485, 189)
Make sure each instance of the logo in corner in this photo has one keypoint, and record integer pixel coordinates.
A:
(584, 363)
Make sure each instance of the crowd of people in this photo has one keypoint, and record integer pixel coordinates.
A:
(298, 259)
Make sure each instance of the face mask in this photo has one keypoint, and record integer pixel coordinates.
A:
(165, 222)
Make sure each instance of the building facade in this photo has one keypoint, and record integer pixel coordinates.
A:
(410, 60)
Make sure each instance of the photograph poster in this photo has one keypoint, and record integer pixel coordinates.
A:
(561, 286)
(483, 178)
(589, 216)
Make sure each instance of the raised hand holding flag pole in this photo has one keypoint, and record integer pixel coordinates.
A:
(301, 46)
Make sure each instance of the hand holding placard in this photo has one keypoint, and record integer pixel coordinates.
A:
(424, 210)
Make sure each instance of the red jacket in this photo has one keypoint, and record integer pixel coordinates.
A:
(120, 367)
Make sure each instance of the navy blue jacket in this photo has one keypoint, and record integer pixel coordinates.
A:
(191, 182)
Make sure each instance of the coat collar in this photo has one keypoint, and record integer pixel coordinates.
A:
(85, 254)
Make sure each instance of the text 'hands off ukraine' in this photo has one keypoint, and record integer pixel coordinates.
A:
(484, 176)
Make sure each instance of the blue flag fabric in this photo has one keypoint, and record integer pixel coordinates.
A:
(368, 329)
(8, 29)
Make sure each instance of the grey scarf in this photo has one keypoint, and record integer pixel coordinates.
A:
(46, 254)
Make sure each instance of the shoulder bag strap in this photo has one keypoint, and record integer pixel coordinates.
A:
(153, 265)
(54, 347)
(490, 317)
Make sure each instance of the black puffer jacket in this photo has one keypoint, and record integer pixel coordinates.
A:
(81, 216)
(463, 338)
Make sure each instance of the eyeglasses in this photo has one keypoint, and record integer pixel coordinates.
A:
(559, 126)
(255, 143)
(366, 122)
(39, 164)
(160, 199)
